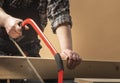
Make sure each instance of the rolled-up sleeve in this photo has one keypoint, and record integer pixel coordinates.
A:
(58, 13)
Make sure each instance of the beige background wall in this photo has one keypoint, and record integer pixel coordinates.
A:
(96, 29)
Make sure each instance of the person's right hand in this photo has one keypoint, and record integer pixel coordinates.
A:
(12, 27)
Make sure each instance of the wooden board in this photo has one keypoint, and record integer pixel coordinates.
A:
(18, 68)
(15, 68)
(96, 80)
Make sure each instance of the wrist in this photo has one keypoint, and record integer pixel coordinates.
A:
(68, 50)
(3, 17)
(5, 20)
(64, 54)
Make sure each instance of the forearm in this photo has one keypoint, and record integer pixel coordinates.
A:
(64, 36)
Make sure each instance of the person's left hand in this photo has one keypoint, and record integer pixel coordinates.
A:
(73, 59)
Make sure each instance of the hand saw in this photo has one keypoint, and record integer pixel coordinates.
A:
(48, 44)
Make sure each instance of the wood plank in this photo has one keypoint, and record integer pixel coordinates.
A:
(15, 68)
(96, 80)
(87, 69)
(83, 81)
(18, 68)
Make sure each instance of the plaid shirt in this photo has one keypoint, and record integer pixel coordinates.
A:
(57, 11)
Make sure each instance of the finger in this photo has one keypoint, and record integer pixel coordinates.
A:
(69, 59)
(26, 27)
(69, 64)
(13, 34)
(17, 29)
(74, 57)
(16, 32)
(77, 58)
(20, 22)
(74, 61)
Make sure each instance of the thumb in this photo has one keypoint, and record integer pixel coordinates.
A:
(26, 27)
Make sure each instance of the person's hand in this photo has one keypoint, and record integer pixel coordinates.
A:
(13, 29)
(73, 59)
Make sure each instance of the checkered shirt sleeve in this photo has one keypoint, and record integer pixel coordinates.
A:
(58, 13)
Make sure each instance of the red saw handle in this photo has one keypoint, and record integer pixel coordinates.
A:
(49, 45)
